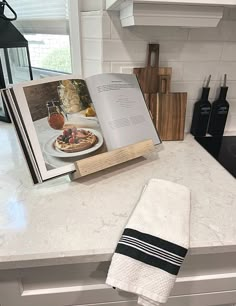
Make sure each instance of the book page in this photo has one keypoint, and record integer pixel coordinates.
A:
(55, 121)
(121, 109)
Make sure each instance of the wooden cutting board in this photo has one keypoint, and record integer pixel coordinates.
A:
(162, 71)
(148, 76)
(171, 115)
(164, 86)
(170, 112)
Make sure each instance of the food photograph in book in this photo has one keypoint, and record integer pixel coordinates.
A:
(65, 121)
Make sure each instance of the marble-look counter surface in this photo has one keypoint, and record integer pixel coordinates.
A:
(68, 222)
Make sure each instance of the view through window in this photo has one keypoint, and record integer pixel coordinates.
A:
(50, 52)
(45, 26)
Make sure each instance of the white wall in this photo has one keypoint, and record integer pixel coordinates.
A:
(92, 5)
(192, 53)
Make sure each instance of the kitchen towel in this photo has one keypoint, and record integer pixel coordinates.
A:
(154, 243)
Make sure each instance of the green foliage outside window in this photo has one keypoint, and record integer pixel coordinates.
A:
(58, 60)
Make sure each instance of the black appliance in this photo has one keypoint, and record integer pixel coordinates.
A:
(223, 149)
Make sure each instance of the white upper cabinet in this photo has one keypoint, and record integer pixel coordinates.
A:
(183, 13)
(115, 4)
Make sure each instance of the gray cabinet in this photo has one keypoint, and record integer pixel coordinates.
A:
(203, 280)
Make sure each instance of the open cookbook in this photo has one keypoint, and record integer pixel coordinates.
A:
(63, 119)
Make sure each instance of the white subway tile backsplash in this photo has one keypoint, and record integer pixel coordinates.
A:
(208, 34)
(162, 33)
(189, 110)
(106, 26)
(232, 90)
(91, 67)
(199, 71)
(125, 67)
(91, 5)
(106, 67)
(114, 50)
(232, 13)
(194, 89)
(92, 49)
(225, 31)
(232, 106)
(228, 30)
(188, 121)
(230, 123)
(95, 25)
(229, 68)
(190, 51)
(226, 13)
(91, 26)
(177, 69)
(229, 52)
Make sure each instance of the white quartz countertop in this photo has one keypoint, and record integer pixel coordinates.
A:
(68, 222)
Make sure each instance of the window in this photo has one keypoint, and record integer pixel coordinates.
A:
(48, 28)
(50, 52)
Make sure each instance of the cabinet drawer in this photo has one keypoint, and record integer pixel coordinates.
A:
(203, 280)
(204, 284)
(206, 274)
(59, 285)
(214, 298)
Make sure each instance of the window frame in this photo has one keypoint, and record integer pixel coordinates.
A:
(72, 28)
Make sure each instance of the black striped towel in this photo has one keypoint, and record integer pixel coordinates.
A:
(154, 243)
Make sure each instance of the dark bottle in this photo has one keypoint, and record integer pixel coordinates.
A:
(219, 113)
(201, 112)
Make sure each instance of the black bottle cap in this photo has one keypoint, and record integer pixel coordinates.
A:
(208, 81)
(206, 89)
(223, 89)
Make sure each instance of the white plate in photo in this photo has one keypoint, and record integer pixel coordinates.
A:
(50, 149)
(80, 115)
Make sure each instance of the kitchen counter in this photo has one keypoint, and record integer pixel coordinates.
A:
(71, 222)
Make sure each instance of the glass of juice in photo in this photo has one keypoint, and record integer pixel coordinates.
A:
(56, 118)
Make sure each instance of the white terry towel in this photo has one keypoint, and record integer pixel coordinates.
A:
(154, 243)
